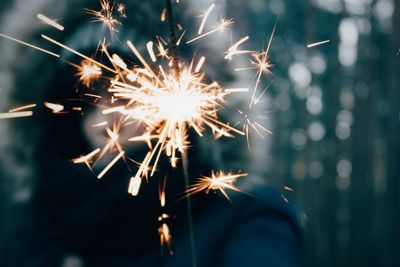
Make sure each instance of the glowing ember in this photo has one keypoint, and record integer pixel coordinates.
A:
(12, 115)
(217, 181)
(88, 72)
(318, 43)
(50, 22)
(105, 15)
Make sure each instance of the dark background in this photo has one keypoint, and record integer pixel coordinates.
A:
(346, 170)
(336, 123)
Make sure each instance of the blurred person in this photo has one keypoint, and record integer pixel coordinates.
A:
(71, 218)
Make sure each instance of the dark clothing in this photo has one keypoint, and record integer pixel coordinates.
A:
(250, 232)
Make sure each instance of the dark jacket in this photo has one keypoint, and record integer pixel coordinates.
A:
(250, 232)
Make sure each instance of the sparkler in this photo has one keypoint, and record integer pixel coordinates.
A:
(154, 95)
(169, 107)
(175, 63)
(166, 97)
(168, 101)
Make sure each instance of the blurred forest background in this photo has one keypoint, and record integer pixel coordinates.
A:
(336, 122)
(337, 128)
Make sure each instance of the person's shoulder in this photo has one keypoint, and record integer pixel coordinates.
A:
(256, 227)
(264, 198)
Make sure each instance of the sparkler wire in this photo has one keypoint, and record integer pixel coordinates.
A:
(185, 163)
(172, 37)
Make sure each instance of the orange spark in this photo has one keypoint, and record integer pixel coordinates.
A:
(262, 64)
(217, 181)
(134, 185)
(56, 108)
(163, 14)
(88, 72)
(287, 188)
(205, 16)
(50, 22)
(88, 159)
(105, 16)
(317, 43)
(109, 166)
(22, 108)
(165, 236)
(30, 45)
(13, 115)
(234, 49)
(121, 10)
(224, 24)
